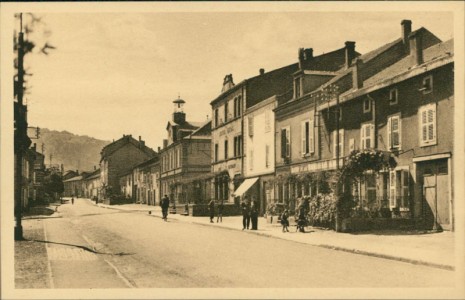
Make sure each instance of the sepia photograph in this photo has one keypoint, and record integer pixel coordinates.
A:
(232, 150)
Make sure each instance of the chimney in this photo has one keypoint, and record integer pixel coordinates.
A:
(308, 54)
(262, 71)
(406, 30)
(159, 149)
(227, 83)
(349, 53)
(77, 172)
(416, 48)
(34, 147)
(301, 58)
(357, 81)
(165, 143)
(305, 56)
(95, 168)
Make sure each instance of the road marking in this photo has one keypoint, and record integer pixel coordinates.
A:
(49, 266)
(120, 275)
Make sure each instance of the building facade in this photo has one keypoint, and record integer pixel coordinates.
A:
(120, 157)
(185, 160)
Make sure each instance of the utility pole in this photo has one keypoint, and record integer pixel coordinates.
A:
(21, 142)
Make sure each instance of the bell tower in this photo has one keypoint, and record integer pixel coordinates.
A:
(179, 117)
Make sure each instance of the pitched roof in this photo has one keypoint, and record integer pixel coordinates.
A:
(204, 131)
(126, 139)
(331, 61)
(76, 178)
(405, 64)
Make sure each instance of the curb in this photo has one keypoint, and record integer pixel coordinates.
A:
(326, 246)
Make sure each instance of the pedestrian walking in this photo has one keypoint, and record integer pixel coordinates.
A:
(72, 200)
(211, 207)
(285, 220)
(245, 207)
(254, 214)
(220, 212)
(301, 220)
(165, 204)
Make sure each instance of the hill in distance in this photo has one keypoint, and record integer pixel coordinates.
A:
(75, 152)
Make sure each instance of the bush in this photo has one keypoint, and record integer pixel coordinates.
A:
(323, 210)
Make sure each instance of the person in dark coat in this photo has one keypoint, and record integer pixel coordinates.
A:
(254, 214)
(245, 207)
(285, 220)
(211, 207)
(220, 212)
(165, 204)
(301, 220)
(72, 200)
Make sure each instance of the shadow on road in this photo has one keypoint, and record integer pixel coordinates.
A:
(83, 248)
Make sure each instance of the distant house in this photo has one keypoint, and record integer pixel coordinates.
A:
(91, 184)
(38, 175)
(120, 157)
(70, 174)
(142, 184)
(73, 187)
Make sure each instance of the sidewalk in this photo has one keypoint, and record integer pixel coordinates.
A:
(417, 247)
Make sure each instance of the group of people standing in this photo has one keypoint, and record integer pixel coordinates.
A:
(249, 213)
(211, 208)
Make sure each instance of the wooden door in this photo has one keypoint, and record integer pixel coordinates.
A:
(436, 208)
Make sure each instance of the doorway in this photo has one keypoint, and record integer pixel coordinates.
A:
(435, 194)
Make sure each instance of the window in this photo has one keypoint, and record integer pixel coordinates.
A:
(297, 87)
(179, 157)
(226, 112)
(366, 105)
(399, 189)
(237, 146)
(428, 125)
(307, 133)
(216, 152)
(216, 118)
(251, 159)
(427, 85)
(367, 136)
(393, 97)
(226, 149)
(250, 124)
(237, 106)
(267, 156)
(368, 189)
(339, 146)
(393, 134)
(285, 142)
(267, 120)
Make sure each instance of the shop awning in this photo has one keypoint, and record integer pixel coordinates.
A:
(245, 186)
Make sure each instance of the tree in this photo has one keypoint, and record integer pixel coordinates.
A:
(54, 184)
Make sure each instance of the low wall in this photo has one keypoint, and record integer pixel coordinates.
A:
(364, 224)
(198, 210)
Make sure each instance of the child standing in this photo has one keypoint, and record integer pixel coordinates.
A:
(285, 220)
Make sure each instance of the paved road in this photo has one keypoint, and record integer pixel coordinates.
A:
(93, 247)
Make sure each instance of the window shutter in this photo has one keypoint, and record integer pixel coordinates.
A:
(334, 144)
(250, 119)
(312, 136)
(372, 135)
(304, 138)
(433, 125)
(405, 189)
(392, 189)
(283, 143)
(389, 134)
(341, 142)
(288, 142)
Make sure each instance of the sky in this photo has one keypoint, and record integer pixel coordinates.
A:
(113, 74)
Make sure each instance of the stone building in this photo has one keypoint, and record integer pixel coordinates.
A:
(185, 159)
(119, 158)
